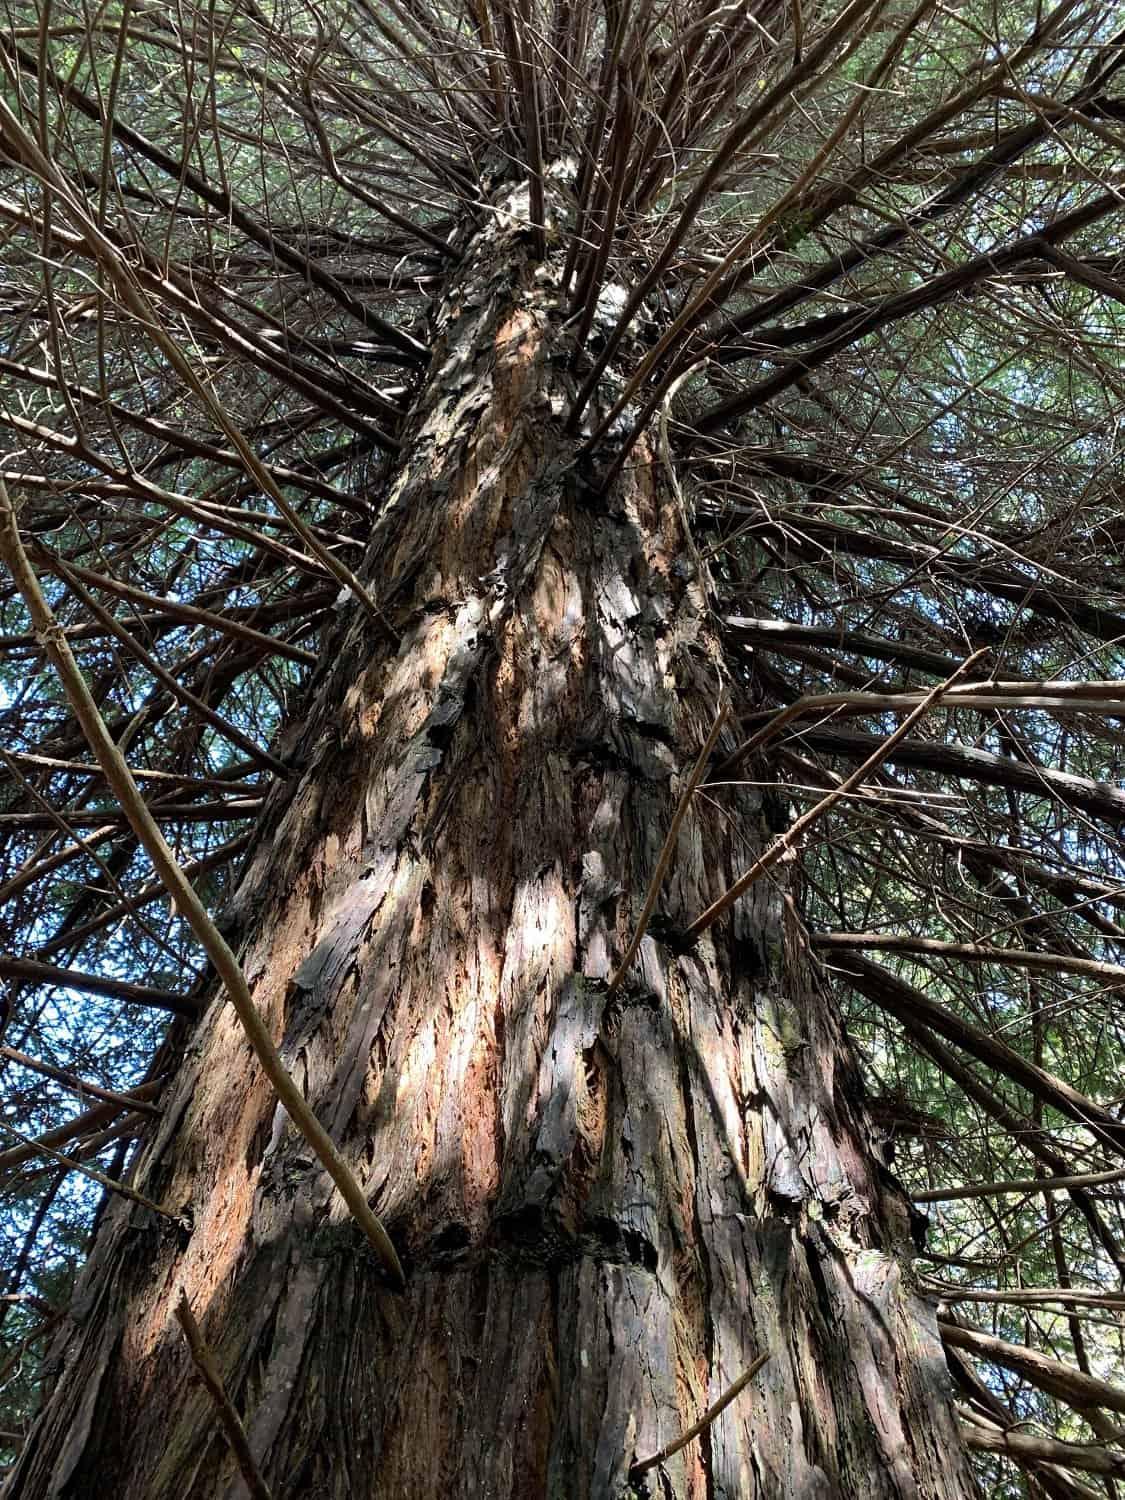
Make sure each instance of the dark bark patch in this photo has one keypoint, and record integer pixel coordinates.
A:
(451, 1243)
(605, 1240)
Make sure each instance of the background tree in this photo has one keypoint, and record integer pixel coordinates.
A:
(444, 436)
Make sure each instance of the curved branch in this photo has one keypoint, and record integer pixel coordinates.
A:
(974, 953)
(960, 762)
(893, 994)
(1051, 1375)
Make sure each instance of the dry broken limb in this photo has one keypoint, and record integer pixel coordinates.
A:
(1079, 1296)
(642, 1466)
(80, 1125)
(1017, 1185)
(667, 849)
(1088, 1458)
(229, 1420)
(1090, 697)
(1112, 975)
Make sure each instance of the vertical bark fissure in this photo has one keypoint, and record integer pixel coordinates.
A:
(605, 1206)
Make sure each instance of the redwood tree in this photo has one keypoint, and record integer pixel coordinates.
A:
(477, 459)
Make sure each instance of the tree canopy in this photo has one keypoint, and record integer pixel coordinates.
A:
(861, 270)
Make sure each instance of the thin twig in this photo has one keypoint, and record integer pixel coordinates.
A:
(121, 632)
(1102, 698)
(1113, 975)
(796, 831)
(77, 1128)
(140, 306)
(73, 1165)
(81, 1086)
(49, 1324)
(120, 780)
(667, 851)
(704, 1422)
(231, 1422)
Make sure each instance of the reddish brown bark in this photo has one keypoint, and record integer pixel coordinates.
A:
(606, 1207)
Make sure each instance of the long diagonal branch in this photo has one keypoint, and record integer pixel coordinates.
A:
(226, 965)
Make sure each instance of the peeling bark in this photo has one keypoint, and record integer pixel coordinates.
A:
(606, 1208)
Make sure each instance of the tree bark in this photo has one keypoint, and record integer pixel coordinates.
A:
(606, 1206)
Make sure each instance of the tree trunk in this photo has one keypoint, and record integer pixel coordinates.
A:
(606, 1206)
